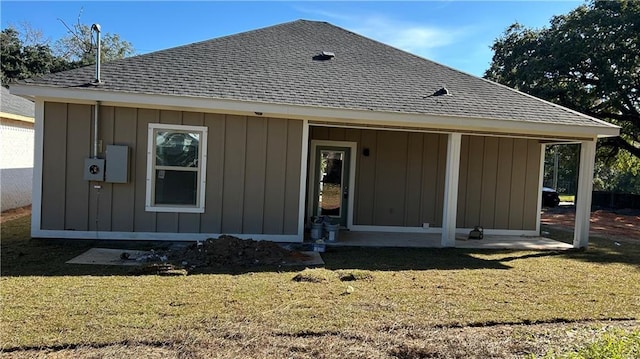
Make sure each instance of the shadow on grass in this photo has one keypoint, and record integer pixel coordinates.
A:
(392, 259)
(75, 346)
(601, 250)
(47, 257)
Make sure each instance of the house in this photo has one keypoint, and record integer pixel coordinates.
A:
(16, 150)
(255, 133)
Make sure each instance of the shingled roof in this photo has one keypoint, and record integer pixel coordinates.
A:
(280, 65)
(15, 105)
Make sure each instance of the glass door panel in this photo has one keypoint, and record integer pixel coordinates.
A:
(331, 183)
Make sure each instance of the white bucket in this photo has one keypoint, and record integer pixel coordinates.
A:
(332, 231)
(316, 230)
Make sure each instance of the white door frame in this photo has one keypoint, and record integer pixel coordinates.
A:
(353, 146)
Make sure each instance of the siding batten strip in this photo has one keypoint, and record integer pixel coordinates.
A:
(283, 225)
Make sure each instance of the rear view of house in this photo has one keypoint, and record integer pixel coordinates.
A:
(254, 134)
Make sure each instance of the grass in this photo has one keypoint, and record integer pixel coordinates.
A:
(365, 302)
(613, 344)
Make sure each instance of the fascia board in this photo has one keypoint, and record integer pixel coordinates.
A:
(443, 122)
(15, 117)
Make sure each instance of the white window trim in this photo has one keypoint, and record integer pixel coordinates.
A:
(202, 161)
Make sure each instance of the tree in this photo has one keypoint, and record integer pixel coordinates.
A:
(619, 175)
(563, 174)
(20, 61)
(587, 60)
(80, 43)
(26, 54)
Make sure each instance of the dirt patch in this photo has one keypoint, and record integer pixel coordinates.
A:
(225, 252)
(619, 225)
(15, 213)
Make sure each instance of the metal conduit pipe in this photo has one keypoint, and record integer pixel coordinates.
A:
(96, 28)
(95, 129)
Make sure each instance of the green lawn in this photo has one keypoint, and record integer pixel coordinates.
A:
(404, 303)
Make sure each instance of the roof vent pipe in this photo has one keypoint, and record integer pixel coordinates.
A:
(96, 28)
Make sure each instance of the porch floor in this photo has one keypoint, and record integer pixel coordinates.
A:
(432, 240)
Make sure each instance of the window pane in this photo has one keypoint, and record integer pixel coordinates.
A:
(178, 149)
(176, 187)
(330, 194)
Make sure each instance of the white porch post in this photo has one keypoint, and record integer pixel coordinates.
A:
(36, 189)
(583, 197)
(452, 175)
(303, 179)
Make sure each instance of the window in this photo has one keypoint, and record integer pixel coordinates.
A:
(176, 161)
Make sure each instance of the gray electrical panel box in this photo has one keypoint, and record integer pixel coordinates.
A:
(117, 164)
(94, 169)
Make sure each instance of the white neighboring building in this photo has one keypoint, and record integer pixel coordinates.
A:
(16, 150)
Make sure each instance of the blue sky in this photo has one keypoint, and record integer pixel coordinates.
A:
(455, 33)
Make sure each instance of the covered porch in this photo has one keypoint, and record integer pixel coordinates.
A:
(423, 188)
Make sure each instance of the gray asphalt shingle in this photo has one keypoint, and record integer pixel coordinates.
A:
(276, 65)
(15, 105)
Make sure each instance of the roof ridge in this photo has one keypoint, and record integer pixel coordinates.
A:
(222, 37)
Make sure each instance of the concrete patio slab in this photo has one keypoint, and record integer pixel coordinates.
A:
(109, 256)
(432, 240)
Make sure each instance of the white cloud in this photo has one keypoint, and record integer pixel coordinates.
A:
(405, 35)
(416, 38)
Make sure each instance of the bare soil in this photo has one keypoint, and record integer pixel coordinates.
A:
(618, 225)
(229, 251)
(12, 214)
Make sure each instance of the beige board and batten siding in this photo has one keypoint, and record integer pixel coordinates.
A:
(498, 183)
(401, 181)
(252, 179)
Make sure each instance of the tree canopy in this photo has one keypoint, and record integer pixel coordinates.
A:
(25, 55)
(20, 60)
(78, 46)
(587, 60)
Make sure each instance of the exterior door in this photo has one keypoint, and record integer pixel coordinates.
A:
(331, 197)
